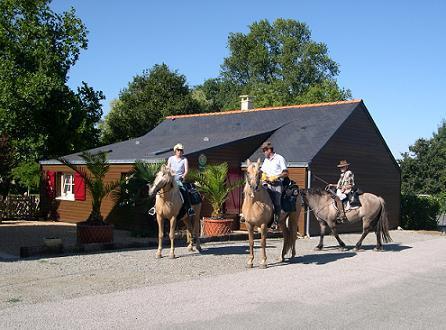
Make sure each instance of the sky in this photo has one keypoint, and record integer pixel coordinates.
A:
(391, 53)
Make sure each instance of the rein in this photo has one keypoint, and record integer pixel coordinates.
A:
(159, 193)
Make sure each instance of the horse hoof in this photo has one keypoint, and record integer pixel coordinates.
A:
(171, 256)
(281, 259)
(190, 248)
(343, 248)
(358, 249)
(318, 248)
(249, 266)
(262, 266)
(199, 249)
(158, 256)
(378, 249)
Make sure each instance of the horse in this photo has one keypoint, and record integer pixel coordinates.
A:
(372, 213)
(257, 210)
(168, 204)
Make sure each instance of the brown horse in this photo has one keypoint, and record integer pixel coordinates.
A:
(168, 203)
(257, 209)
(372, 213)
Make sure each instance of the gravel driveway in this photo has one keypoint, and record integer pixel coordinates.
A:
(53, 279)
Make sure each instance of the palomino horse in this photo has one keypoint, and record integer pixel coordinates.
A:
(168, 203)
(372, 213)
(257, 209)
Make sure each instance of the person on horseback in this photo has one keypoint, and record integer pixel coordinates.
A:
(179, 165)
(273, 170)
(344, 186)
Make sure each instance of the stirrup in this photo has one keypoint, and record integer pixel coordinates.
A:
(191, 212)
(152, 211)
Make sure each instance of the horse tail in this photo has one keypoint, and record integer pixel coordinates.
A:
(382, 227)
(290, 232)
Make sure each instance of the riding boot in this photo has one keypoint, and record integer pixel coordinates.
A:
(275, 224)
(187, 203)
(341, 217)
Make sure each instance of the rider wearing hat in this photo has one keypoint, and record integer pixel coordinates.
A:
(273, 170)
(179, 166)
(344, 186)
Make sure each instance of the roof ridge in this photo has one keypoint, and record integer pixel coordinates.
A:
(283, 107)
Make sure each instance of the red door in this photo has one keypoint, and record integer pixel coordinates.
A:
(233, 204)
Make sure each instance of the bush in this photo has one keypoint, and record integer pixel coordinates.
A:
(419, 212)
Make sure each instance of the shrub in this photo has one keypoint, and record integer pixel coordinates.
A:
(419, 212)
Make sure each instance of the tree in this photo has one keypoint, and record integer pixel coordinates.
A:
(278, 64)
(157, 93)
(423, 169)
(39, 113)
(27, 174)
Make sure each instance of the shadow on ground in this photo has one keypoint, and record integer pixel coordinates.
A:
(231, 249)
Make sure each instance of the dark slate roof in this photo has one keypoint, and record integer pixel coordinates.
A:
(298, 132)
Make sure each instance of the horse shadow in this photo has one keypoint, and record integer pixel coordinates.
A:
(389, 247)
(315, 259)
(231, 249)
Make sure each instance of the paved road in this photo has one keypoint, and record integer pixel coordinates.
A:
(399, 289)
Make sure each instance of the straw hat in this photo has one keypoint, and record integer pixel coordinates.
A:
(343, 163)
(178, 146)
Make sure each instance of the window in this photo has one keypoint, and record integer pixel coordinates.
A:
(66, 186)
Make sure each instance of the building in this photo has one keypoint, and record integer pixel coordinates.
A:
(312, 138)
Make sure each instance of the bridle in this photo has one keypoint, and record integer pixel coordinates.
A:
(254, 188)
(306, 204)
(158, 191)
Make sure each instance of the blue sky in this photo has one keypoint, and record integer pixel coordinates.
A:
(391, 53)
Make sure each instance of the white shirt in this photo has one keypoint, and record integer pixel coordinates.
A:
(177, 165)
(274, 165)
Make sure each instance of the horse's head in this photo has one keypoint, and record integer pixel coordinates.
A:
(253, 174)
(163, 178)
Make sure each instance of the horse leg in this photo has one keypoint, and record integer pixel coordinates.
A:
(196, 229)
(286, 239)
(323, 226)
(379, 243)
(189, 229)
(365, 231)
(160, 221)
(251, 244)
(336, 235)
(173, 221)
(263, 230)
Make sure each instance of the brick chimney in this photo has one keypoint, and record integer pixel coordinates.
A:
(246, 102)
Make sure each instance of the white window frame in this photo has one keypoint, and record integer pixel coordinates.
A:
(67, 181)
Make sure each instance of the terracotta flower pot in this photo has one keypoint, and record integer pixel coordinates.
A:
(87, 233)
(217, 227)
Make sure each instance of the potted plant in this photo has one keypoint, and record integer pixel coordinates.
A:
(213, 183)
(94, 229)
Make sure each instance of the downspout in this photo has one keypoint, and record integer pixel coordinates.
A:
(307, 224)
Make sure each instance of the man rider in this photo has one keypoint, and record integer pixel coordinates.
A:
(273, 170)
(344, 186)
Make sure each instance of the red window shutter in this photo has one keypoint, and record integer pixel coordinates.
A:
(79, 188)
(51, 184)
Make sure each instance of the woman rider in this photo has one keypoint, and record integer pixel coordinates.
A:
(179, 165)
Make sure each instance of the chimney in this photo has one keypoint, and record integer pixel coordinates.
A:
(246, 102)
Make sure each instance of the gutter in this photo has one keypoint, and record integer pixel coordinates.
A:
(110, 161)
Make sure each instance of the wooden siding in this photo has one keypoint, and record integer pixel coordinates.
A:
(360, 143)
(78, 211)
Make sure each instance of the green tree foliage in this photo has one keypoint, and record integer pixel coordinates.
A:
(419, 212)
(39, 113)
(423, 169)
(27, 174)
(278, 64)
(157, 93)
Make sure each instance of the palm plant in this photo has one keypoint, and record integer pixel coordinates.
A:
(213, 183)
(133, 190)
(96, 167)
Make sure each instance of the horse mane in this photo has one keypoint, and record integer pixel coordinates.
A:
(317, 191)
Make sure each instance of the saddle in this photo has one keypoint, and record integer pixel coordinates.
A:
(194, 197)
(353, 197)
(289, 195)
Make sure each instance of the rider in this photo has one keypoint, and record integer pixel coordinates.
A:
(180, 166)
(344, 186)
(273, 170)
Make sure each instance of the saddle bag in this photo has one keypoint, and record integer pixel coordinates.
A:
(353, 197)
(289, 196)
(194, 195)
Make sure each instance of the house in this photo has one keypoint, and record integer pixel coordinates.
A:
(312, 138)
